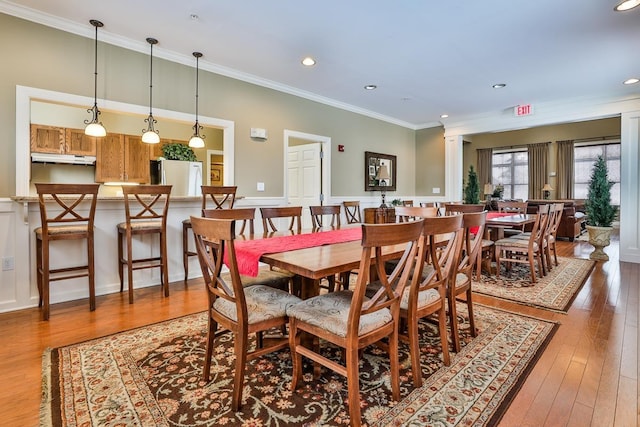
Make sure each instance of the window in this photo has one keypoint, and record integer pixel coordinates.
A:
(584, 157)
(511, 170)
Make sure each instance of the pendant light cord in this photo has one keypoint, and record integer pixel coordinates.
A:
(151, 78)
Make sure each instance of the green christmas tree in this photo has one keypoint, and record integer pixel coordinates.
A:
(472, 190)
(600, 211)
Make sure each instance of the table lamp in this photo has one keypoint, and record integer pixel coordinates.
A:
(382, 176)
(546, 191)
(488, 191)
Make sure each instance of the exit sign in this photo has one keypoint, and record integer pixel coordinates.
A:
(523, 110)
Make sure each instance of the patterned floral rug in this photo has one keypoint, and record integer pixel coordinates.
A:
(151, 376)
(555, 291)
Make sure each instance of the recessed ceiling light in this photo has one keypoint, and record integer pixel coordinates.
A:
(626, 5)
(370, 87)
(631, 81)
(308, 61)
(194, 17)
(444, 116)
(499, 85)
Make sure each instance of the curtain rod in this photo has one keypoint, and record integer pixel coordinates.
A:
(510, 147)
(599, 138)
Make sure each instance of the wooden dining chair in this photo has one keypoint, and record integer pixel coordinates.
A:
(524, 250)
(473, 224)
(410, 213)
(428, 295)
(246, 215)
(217, 197)
(235, 306)
(350, 320)
(320, 213)
(553, 231)
(146, 208)
(292, 213)
(407, 203)
(514, 207)
(454, 208)
(352, 212)
(67, 218)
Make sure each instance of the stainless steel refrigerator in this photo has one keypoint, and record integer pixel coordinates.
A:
(185, 177)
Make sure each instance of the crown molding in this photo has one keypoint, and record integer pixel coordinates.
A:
(184, 59)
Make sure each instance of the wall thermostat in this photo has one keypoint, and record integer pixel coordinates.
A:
(258, 133)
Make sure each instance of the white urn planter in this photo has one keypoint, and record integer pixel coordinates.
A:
(599, 237)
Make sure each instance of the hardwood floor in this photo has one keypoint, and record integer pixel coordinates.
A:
(588, 375)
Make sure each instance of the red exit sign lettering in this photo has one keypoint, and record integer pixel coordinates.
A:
(523, 110)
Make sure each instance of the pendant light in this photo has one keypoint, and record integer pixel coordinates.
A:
(94, 127)
(197, 141)
(150, 135)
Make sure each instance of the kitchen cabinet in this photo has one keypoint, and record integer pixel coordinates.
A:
(122, 158)
(47, 139)
(58, 140)
(79, 144)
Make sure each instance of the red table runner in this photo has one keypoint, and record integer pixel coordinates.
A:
(491, 215)
(248, 252)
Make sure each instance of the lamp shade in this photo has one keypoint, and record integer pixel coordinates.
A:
(150, 137)
(547, 187)
(383, 172)
(196, 142)
(95, 129)
(488, 189)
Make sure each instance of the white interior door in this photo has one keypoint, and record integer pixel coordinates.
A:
(303, 176)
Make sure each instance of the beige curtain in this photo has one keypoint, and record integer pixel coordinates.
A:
(485, 165)
(538, 154)
(565, 172)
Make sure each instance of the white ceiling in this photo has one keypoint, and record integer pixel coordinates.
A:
(426, 57)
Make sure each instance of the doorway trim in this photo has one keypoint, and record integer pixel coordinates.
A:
(325, 170)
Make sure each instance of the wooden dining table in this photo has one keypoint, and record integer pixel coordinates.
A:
(312, 264)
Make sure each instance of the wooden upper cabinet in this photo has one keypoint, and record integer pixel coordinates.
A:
(47, 139)
(110, 158)
(155, 150)
(80, 144)
(136, 160)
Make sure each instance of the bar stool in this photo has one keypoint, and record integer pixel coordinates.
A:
(145, 208)
(73, 223)
(222, 198)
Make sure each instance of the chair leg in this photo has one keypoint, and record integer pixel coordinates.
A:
(39, 270)
(185, 249)
(453, 320)
(533, 268)
(211, 335)
(45, 280)
(472, 321)
(414, 350)
(442, 326)
(130, 267)
(353, 384)
(394, 364)
(296, 358)
(91, 272)
(241, 343)
(120, 261)
(165, 262)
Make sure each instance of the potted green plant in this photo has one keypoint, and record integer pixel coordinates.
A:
(176, 151)
(600, 212)
(472, 189)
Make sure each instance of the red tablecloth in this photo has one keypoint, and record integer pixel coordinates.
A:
(248, 252)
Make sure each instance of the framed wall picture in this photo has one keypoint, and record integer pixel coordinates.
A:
(380, 171)
(216, 174)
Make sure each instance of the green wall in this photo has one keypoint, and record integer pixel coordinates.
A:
(42, 57)
(569, 131)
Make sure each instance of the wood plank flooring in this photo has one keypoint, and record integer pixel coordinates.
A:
(588, 375)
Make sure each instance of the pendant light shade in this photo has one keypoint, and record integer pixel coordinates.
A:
(150, 135)
(94, 127)
(197, 140)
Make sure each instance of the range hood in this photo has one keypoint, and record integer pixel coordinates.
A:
(63, 158)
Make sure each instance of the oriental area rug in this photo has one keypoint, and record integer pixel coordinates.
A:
(151, 376)
(555, 291)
